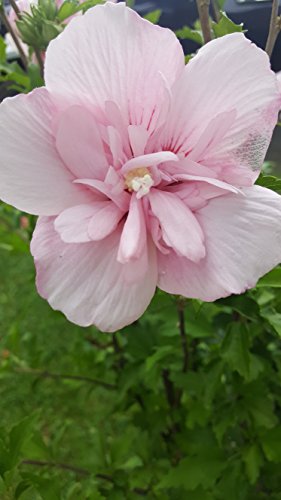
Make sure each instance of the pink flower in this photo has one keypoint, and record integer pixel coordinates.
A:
(278, 75)
(141, 169)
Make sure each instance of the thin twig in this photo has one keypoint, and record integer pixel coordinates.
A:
(118, 352)
(58, 376)
(216, 10)
(98, 344)
(274, 28)
(203, 11)
(9, 28)
(15, 8)
(40, 61)
(181, 305)
(169, 388)
(79, 471)
(71, 468)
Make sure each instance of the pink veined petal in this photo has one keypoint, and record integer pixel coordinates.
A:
(115, 144)
(138, 136)
(133, 237)
(190, 167)
(246, 85)
(148, 160)
(242, 240)
(212, 135)
(115, 182)
(72, 223)
(104, 221)
(208, 180)
(278, 75)
(79, 143)
(86, 282)
(156, 234)
(32, 176)
(116, 120)
(90, 222)
(122, 199)
(112, 54)
(180, 228)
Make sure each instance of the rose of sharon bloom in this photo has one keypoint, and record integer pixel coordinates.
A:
(141, 169)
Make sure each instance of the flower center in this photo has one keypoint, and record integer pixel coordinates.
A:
(139, 180)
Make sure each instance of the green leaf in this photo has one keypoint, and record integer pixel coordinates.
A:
(271, 444)
(50, 31)
(48, 489)
(2, 50)
(153, 16)
(253, 461)
(193, 472)
(235, 349)
(270, 182)
(259, 404)
(187, 33)
(67, 9)
(35, 77)
(273, 279)
(21, 488)
(161, 353)
(20, 435)
(132, 463)
(226, 26)
(244, 305)
(274, 319)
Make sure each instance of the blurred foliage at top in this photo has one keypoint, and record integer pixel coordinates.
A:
(166, 409)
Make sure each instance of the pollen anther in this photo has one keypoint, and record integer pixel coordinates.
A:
(139, 180)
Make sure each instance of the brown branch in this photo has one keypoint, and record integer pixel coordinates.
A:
(118, 351)
(58, 376)
(71, 468)
(79, 471)
(97, 344)
(203, 11)
(40, 61)
(169, 388)
(216, 10)
(15, 8)
(274, 28)
(14, 37)
(180, 306)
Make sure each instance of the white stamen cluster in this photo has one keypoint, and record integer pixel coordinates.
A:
(139, 180)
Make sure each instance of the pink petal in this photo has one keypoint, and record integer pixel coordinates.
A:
(116, 146)
(121, 199)
(105, 220)
(138, 136)
(148, 160)
(208, 180)
(180, 228)
(86, 282)
(243, 242)
(79, 143)
(278, 75)
(112, 54)
(72, 223)
(32, 176)
(245, 85)
(83, 223)
(213, 135)
(133, 238)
